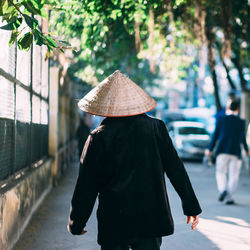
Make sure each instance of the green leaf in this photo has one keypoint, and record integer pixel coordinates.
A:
(10, 12)
(14, 36)
(50, 2)
(2, 3)
(31, 8)
(39, 3)
(51, 42)
(3, 7)
(11, 17)
(50, 48)
(65, 42)
(10, 9)
(31, 22)
(25, 41)
(47, 55)
(44, 13)
(38, 37)
(12, 25)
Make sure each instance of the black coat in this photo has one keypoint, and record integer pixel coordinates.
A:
(123, 163)
(81, 135)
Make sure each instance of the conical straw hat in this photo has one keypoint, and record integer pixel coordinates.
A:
(117, 96)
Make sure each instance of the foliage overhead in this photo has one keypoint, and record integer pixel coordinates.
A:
(133, 36)
(149, 40)
(24, 19)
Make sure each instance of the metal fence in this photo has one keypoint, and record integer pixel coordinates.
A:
(23, 106)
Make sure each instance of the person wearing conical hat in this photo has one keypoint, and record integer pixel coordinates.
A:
(123, 164)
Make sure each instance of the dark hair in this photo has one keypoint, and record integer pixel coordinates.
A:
(232, 95)
(234, 105)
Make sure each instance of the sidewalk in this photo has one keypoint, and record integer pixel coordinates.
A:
(221, 226)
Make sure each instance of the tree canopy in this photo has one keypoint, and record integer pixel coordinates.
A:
(150, 40)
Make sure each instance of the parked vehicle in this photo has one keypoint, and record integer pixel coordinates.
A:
(203, 115)
(171, 116)
(189, 138)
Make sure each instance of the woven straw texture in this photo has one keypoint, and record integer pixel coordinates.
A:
(117, 96)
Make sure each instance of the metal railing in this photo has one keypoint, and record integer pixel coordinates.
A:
(24, 84)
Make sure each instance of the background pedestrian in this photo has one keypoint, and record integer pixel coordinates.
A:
(228, 137)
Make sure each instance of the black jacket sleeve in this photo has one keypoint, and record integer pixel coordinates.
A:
(87, 185)
(174, 168)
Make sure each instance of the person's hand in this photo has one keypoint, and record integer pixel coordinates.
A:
(83, 231)
(208, 153)
(195, 222)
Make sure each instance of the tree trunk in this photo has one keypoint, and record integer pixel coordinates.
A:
(199, 25)
(211, 61)
(138, 43)
(169, 4)
(226, 20)
(171, 24)
(230, 81)
(201, 70)
(151, 41)
(243, 82)
(245, 97)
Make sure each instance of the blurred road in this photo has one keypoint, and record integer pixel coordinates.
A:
(221, 226)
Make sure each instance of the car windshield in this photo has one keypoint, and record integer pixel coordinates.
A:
(192, 130)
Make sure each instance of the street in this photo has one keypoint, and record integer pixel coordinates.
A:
(221, 226)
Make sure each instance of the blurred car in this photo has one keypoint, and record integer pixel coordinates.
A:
(171, 116)
(209, 123)
(203, 115)
(189, 138)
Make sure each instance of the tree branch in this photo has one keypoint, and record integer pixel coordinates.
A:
(11, 2)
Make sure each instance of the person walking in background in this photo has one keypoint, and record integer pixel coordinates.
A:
(222, 112)
(82, 132)
(228, 137)
(123, 163)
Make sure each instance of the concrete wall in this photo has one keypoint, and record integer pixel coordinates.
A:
(19, 200)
